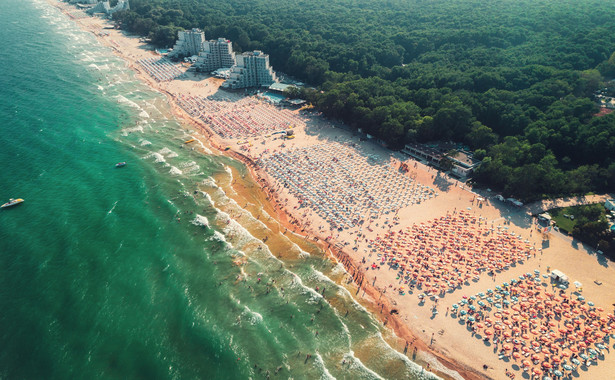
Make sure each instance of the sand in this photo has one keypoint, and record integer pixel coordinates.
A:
(442, 343)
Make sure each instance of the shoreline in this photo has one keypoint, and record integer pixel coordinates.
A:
(372, 291)
(288, 221)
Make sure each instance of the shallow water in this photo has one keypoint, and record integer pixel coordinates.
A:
(151, 270)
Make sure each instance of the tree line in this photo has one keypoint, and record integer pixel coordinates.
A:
(513, 79)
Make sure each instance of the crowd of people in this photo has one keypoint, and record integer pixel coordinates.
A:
(441, 255)
(343, 186)
(241, 118)
(161, 69)
(541, 327)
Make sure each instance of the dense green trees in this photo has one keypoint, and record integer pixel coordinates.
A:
(510, 78)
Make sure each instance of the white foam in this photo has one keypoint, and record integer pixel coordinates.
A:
(167, 152)
(145, 142)
(253, 317)
(355, 363)
(157, 157)
(122, 99)
(320, 363)
(175, 171)
(144, 114)
(210, 182)
(230, 173)
(126, 131)
(201, 221)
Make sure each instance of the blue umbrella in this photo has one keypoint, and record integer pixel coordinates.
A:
(507, 293)
(481, 294)
(506, 284)
(499, 306)
(481, 303)
(557, 373)
(583, 356)
(489, 299)
(592, 351)
(463, 312)
(567, 367)
(472, 307)
(522, 277)
(581, 298)
(600, 346)
(506, 302)
(471, 319)
(455, 306)
(497, 296)
(590, 303)
(575, 361)
(489, 291)
(473, 298)
(536, 271)
(561, 286)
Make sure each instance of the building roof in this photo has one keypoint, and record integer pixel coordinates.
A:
(280, 87)
(465, 159)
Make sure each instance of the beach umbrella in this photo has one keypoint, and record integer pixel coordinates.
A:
(455, 306)
(472, 307)
(463, 312)
(557, 373)
(537, 371)
(600, 346)
(488, 332)
(526, 363)
(575, 361)
(567, 367)
(516, 355)
(546, 365)
(583, 356)
(592, 351)
(471, 319)
(581, 298)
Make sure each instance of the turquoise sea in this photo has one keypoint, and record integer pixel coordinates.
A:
(156, 270)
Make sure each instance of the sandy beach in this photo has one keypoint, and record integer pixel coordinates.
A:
(353, 198)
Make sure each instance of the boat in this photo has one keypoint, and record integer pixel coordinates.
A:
(12, 202)
(120, 164)
(189, 141)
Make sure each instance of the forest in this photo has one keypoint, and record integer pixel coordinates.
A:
(512, 79)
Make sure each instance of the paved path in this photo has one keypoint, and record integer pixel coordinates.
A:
(541, 206)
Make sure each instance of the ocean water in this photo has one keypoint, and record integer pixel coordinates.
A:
(157, 270)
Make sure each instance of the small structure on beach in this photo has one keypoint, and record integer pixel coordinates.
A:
(252, 70)
(189, 43)
(463, 161)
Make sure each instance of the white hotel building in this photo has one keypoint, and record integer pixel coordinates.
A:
(216, 54)
(189, 43)
(252, 70)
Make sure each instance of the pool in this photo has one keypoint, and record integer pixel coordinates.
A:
(273, 97)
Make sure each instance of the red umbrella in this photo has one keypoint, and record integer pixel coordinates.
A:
(546, 365)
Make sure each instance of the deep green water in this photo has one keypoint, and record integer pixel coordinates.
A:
(99, 279)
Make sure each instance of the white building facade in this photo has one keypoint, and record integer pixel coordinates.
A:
(216, 54)
(189, 43)
(252, 70)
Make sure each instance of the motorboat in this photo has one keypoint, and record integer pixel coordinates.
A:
(12, 202)
(120, 164)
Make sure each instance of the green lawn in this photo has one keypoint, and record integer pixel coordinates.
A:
(566, 224)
